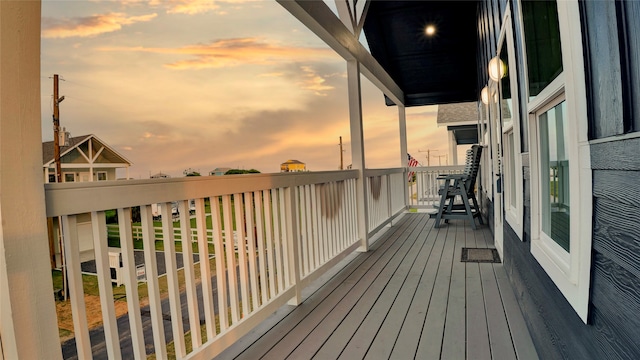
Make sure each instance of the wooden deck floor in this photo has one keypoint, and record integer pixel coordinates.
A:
(409, 297)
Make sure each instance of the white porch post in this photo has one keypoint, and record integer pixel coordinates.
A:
(27, 313)
(453, 149)
(357, 148)
(91, 159)
(404, 158)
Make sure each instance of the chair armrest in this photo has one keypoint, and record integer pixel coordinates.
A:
(452, 177)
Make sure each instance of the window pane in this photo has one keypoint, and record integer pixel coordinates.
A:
(511, 163)
(102, 176)
(542, 39)
(69, 177)
(506, 105)
(554, 175)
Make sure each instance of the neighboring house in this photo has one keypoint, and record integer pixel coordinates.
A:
(461, 120)
(160, 175)
(83, 158)
(293, 166)
(219, 171)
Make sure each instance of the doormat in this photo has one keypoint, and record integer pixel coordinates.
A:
(480, 255)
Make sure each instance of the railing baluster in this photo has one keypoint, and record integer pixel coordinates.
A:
(251, 241)
(331, 219)
(283, 240)
(151, 271)
(189, 274)
(100, 242)
(76, 290)
(311, 237)
(229, 243)
(269, 221)
(131, 282)
(172, 280)
(290, 208)
(221, 274)
(205, 267)
(314, 210)
(242, 254)
(304, 231)
(260, 238)
(277, 240)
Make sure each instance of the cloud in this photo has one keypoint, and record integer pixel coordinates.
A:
(191, 7)
(314, 82)
(185, 7)
(87, 26)
(233, 52)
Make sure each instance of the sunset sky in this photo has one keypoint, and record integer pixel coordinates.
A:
(201, 84)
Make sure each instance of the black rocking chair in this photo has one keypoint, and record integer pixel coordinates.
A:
(462, 185)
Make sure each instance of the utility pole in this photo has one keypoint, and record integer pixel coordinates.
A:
(56, 155)
(428, 151)
(56, 128)
(341, 155)
(440, 159)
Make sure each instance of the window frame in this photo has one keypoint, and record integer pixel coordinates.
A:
(570, 271)
(64, 176)
(514, 216)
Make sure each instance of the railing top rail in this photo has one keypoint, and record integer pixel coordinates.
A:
(438, 168)
(76, 198)
(379, 172)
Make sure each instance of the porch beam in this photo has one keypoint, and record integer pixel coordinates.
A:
(28, 321)
(319, 18)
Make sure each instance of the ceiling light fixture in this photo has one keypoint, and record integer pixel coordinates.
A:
(430, 30)
(484, 95)
(497, 69)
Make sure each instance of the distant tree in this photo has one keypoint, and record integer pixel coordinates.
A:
(241, 171)
(191, 172)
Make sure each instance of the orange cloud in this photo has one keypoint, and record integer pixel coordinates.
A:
(191, 7)
(314, 82)
(89, 25)
(188, 7)
(233, 52)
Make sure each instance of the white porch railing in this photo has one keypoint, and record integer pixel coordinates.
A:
(385, 191)
(424, 191)
(290, 229)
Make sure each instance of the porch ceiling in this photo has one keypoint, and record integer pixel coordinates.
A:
(429, 69)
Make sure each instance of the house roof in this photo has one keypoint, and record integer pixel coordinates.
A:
(74, 142)
(429, 70)
(288, 162)
(458, 114)
(462, 120)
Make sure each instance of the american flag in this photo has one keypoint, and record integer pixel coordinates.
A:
(412, 163)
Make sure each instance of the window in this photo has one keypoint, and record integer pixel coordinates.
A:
(101, 175)
(542, 40)
(509, 114)
(52, 178)
(69, 177)
(561, 188)
(554, 175)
